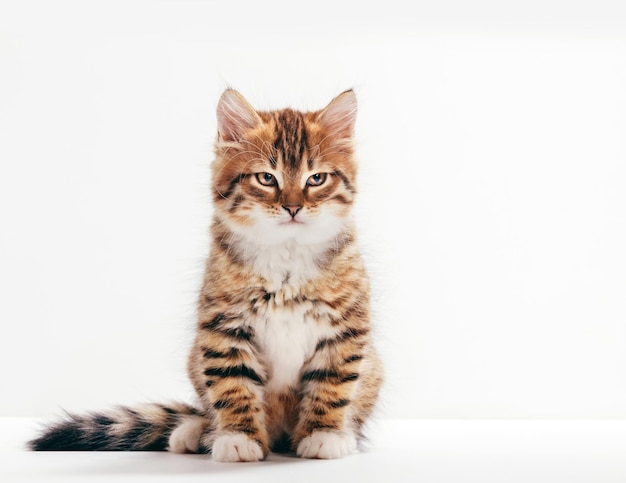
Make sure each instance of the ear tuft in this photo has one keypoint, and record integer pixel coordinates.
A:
(235, 116)
(339, 116)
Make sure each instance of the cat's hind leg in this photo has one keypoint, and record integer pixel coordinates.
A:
(187, 436)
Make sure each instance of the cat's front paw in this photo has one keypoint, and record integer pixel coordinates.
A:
(233, 447)
(326, 445)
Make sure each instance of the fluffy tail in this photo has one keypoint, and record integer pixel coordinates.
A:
(145, 428)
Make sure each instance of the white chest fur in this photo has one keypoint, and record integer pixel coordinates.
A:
(286, 265)
(286, 338)
(286, 332)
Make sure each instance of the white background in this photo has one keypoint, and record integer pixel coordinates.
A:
(492, 192)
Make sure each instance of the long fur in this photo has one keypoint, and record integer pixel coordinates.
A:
(283, 356)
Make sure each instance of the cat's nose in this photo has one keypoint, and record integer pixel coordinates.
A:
(292, 209)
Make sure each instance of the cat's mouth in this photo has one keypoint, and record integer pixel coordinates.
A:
(292, 221)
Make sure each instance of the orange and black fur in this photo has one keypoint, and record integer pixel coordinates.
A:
(283, 356)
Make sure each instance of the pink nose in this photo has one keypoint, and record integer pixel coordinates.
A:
(292, 209)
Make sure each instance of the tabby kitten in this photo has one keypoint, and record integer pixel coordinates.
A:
(283, 356)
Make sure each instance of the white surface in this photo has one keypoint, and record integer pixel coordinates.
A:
(402, 451)
(492, 200)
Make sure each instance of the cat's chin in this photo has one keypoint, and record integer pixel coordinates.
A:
(299, 233)
(266, 231)
(302, 233)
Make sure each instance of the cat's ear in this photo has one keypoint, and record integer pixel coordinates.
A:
(235, 116)
(339, 116)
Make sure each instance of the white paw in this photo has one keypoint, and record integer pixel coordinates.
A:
(326, 445)
(236, 447)
(186, 437)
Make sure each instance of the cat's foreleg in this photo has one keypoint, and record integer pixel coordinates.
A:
(329, 383)
(233, 394)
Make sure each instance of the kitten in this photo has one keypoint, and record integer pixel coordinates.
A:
(283, 356)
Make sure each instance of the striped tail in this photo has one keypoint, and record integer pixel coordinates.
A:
(143, 428)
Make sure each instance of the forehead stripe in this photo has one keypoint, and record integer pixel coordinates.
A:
(291, 137)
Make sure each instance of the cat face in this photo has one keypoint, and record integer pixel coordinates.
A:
(285, 174)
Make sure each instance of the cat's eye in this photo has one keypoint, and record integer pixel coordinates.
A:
(316, 179)
(266, 179)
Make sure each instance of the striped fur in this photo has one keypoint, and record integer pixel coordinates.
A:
(143, 428)
(283, 357)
